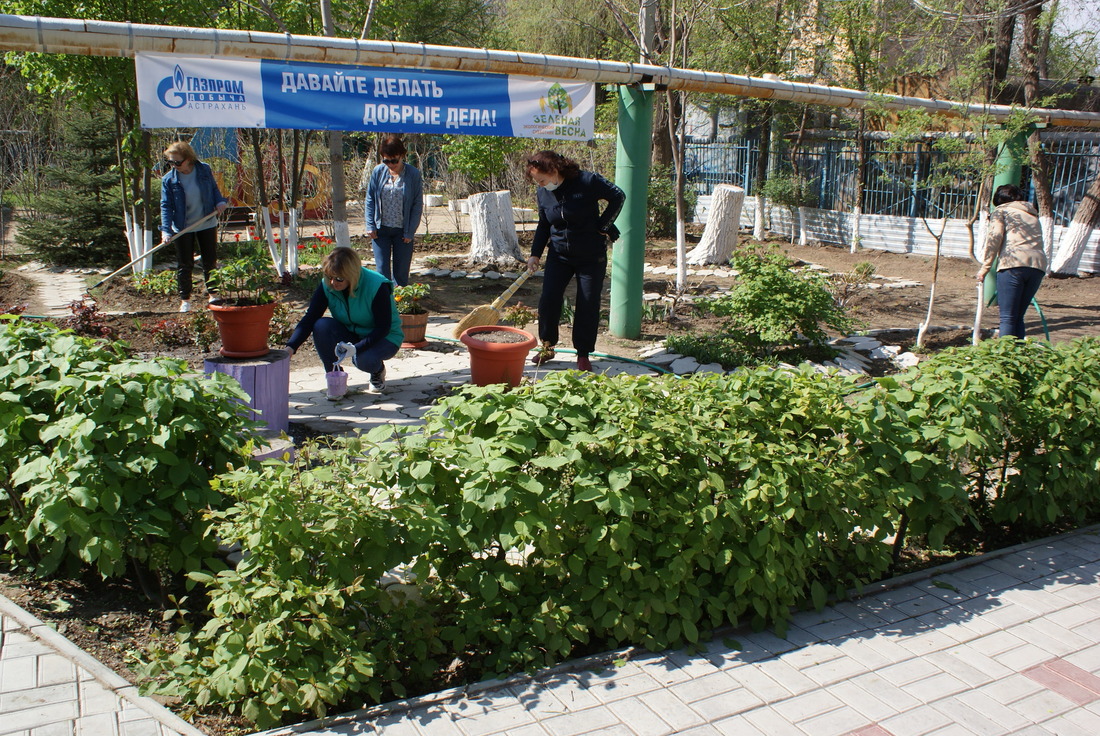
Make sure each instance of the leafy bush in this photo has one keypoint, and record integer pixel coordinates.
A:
(772, 313)
(789, 190)
(155, 282)
(408, 298)
(590, 511)
(302, 622)
(107, 460)
(661, 202)
(87, 320)
(171, 333)
(245, 281)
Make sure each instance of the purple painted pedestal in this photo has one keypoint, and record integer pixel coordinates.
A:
(266, 380)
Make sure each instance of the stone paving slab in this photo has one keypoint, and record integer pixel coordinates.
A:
(50, 687)
(414, 378)
(1013, 649)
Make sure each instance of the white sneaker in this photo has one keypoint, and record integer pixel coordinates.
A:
(185, 305)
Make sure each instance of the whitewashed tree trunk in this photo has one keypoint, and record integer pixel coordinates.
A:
(1068, 256)
(1046, 224)
(802, 238)
(857, 229)
(723, 222)
(131, 241)
(681, 258)
(343, 235)
(490, 243)
(508, 219)
(292, 244)
(1072, 246)
(147, 242)
(275, 253)
(758, 218)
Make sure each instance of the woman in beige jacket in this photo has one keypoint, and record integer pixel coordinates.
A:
(1017, 239)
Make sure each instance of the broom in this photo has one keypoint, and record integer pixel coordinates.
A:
(489, 314)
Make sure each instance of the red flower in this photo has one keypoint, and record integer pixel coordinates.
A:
(301, 247)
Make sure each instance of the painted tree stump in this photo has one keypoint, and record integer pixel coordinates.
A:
(266, 380)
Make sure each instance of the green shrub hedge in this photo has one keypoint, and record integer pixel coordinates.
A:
(590, 512)
(106, 460)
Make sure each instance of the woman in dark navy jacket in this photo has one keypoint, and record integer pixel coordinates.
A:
(574, 234)
(188, 193)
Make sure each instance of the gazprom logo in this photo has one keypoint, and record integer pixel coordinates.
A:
(181, 89)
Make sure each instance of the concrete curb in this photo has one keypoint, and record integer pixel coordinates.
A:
(105, 676)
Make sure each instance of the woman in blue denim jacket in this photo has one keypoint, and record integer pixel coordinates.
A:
(394, 205)
(189, 193)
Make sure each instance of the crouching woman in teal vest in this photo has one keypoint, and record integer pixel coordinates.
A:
(363, 313)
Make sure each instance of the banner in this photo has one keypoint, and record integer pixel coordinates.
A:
(180, 91)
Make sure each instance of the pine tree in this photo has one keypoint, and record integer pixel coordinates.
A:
(77, 220)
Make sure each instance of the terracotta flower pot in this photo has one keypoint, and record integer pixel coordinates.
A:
(243, 330)
(497, 362)
(414, 326)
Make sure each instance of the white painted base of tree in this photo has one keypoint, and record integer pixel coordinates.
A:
(292, 243)
(802, 238)
(341, 233)
(1068, 256)
(723, 221)
(857, 232)
(493, 228)
(275, 253)
(758, 218)
(1046, 224)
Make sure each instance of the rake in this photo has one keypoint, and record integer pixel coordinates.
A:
(151, 251)
(489, 314)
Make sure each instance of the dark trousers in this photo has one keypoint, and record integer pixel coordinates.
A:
(1016, 287)
(392, 255)
(586, 307)
(328, 331)
(185, 258)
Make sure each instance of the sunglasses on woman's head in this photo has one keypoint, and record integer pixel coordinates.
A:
(173, 162)
(391, 160)
(336, 279)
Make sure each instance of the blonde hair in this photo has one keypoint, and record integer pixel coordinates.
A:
(343, 263)
(183, 150)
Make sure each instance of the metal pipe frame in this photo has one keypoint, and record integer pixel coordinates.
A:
(106, 38)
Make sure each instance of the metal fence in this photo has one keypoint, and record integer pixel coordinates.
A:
(898, 183)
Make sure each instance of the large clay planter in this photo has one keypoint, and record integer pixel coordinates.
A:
(414, 326)
(243, 330)
(497, 362)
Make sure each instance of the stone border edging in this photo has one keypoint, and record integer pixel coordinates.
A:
(107, 677)
(605, 659)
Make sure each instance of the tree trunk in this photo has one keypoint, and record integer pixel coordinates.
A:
(336, 156)
(1040, 166)
(762, 161)
(861, 181)
(720, 234)
(1085, 219)
(493, 228)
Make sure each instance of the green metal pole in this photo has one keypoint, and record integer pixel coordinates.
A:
(632, 176)
(1010, 158)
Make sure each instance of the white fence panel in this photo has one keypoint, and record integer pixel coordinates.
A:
(882, 232)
